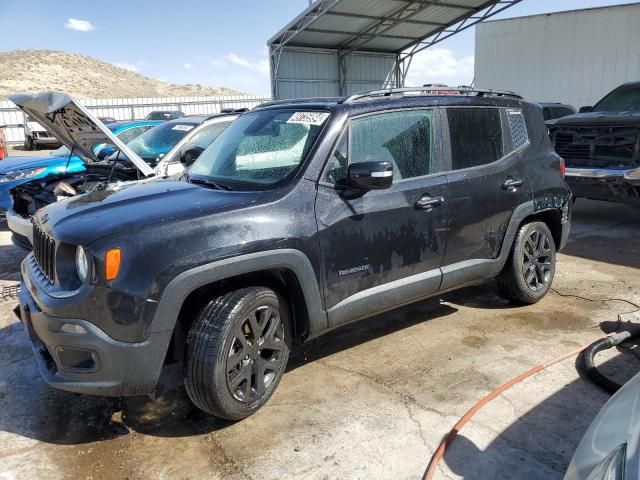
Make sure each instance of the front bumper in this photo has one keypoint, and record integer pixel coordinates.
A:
(605, 184)
(75, 355)
(21, 228)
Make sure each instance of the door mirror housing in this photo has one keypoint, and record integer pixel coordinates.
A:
(367, 176)
(585, 109)
(191, 156)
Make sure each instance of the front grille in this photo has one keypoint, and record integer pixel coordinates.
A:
(598, 147)
(44, 250)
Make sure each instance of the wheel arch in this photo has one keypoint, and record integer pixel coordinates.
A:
(551, 218)
(288, 272)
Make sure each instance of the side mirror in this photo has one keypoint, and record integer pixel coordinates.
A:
(585, 109)
(370, 175)
(191, 155)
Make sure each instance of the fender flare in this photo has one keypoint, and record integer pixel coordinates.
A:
(180, 287)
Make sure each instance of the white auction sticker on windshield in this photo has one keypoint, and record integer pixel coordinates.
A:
(309, 118)
(183, 128)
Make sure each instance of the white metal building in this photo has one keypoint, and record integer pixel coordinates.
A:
(339, 47)
(572, 57)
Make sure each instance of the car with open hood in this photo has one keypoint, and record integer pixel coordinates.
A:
(601, 147)
(161, 151)
(17, 170)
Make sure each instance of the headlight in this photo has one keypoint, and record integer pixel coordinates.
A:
(612, 467)
(23, 174)
(82, 264)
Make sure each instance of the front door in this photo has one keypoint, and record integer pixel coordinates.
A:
(385, 247)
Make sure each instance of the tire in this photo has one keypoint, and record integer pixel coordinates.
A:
(223, 356)
(529, 272)
(28, 143)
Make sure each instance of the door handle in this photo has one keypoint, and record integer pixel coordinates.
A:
(429, 203)
(512, 184)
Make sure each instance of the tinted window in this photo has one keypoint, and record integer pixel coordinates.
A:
(403, 138)
(160, 139)
(518, 128)
(476, 136)
(129, 134)
(203, 138)
(622, 99)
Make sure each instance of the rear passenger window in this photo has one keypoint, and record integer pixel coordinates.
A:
(475, 136)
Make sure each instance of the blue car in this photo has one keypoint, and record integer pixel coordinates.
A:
(15, 171)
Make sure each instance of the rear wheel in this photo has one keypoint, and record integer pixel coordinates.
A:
(529, 272)
(237, 351)
(28, 143)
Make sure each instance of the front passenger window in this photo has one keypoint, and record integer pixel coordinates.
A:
(403, 138)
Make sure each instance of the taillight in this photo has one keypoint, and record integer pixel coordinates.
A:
(563, 167)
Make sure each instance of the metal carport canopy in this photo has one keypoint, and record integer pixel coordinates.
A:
(398, 28)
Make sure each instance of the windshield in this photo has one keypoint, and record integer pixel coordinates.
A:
(623, 99)
(260, 148)
(63, 150)
(163, 115)
(160, 139)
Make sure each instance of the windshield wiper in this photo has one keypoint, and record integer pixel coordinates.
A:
(208, 183)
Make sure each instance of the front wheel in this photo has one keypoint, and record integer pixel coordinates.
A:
(531, 266)
(237, 351)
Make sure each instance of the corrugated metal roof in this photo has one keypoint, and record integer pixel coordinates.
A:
(374, 25)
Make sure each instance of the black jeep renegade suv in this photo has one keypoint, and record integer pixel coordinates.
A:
(301, 217)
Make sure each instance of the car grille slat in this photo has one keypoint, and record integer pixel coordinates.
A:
(44, 253)
(598, 147)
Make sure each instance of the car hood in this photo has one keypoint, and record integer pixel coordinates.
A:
(73, 125)
(10, 164)
(86, 218)
(597, 119)
(618, 422)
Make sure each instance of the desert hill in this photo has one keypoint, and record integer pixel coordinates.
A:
(32, 71)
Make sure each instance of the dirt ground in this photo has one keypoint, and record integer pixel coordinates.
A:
(371, 400)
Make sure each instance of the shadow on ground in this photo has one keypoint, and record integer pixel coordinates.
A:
(505, 456)
(605, 232)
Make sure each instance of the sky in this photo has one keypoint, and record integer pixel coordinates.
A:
(210, 42)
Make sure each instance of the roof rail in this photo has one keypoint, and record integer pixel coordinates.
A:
(427, 91)
(301, 100)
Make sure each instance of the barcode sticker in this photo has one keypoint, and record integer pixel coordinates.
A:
(183, 128)
(309, 118)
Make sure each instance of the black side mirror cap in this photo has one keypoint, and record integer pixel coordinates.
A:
(370, 176)
(191, 155)
(585, 109)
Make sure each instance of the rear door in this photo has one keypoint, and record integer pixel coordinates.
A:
(385, 247)
(487, 182)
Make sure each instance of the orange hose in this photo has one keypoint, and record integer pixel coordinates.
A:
(446, 441)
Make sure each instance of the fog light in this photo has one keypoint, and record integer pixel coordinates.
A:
(76, 359)
(73, 328)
